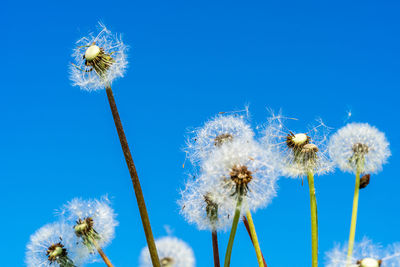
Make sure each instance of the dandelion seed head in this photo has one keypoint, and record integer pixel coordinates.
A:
(359, 146)
(172, 252)
(242, 167)
(92, 219)
(202, 205)
(52, 245)
(214, 134)
(98, 60)
(298, 152)
(365, 254)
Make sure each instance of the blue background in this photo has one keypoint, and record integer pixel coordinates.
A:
(188, 61)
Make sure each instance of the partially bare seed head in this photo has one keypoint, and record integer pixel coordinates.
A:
(222, 138)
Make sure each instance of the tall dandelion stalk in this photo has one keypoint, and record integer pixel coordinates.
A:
(247, 225)
(98, 61)
(314, 219)
(360, 149)
(232, 234)
(254, 239)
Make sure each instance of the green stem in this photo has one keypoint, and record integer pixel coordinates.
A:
(233, 232)
(314, 220)
(255, 239)
(135, 179)
(353, 219)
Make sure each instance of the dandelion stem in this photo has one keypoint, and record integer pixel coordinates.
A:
(215, 248)
(246, 224)
(314, 220)
(233, 232)
(353, 219)
(253, 235)
(102, 254)
(135, 179)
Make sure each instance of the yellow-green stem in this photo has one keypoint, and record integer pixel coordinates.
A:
(255, 239)
(353, 219)
(233, 232)
(314, 220)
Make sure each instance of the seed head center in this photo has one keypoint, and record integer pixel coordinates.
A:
(167, 262)
(92, 52)
(369, 262)
(241, 175)
(360, 148)
(222, 138)
(296, 141)
(83, 227)
(55, 251)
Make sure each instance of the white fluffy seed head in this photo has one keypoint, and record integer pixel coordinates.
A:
(103, 216)
(365, 254)
(359, 146)
(47, 236)
(298, 153)
(204, 206)
(87, 49)
(259, 163)
(172, 252)
(215, 133)
(92, 52)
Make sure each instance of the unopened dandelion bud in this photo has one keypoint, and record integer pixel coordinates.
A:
(369, 262)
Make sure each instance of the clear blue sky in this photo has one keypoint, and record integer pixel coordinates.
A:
(188, 61)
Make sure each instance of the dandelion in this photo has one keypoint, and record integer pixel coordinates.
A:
(366, 254)
(358, 148)
(301, 153)
(202, 205)
(219, 130)
(99, 59)
(172, 251)
(246, 173)
(52, 245)
(94, 223)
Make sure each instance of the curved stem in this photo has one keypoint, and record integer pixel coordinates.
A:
(135, 179)
(314, 220)
(102, 254)
(215, 248)
(254, 239)
(353, 218)
(246, 224)
(233, 232)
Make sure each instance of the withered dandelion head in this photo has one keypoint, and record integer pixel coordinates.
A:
(98, 60)
(359, 147)
(53, 245)
(172, 252)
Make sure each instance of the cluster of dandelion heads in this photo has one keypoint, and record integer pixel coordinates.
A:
(365, 254)
(214, 133)
(205, 207)
(298, 152)
(172, 252)
(93, 221)
(53, 245)
(98, 60)
(359, 147)
(242, 168)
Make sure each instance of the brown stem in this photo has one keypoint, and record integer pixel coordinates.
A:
(102, 254)
(215, 248)
(246, 224)
(135, 179)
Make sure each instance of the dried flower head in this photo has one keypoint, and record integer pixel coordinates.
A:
(298, 152)
(93, 220)
(204, 206)
(172, 252)
(244, 169)
(359, 147)
(98, 60)
(220, 130)
(365, 254)
(52, 245)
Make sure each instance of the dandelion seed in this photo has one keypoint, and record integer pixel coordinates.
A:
(99, 59)
(366, 254)
(172, 252)
(359, 147)
(52, 245)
